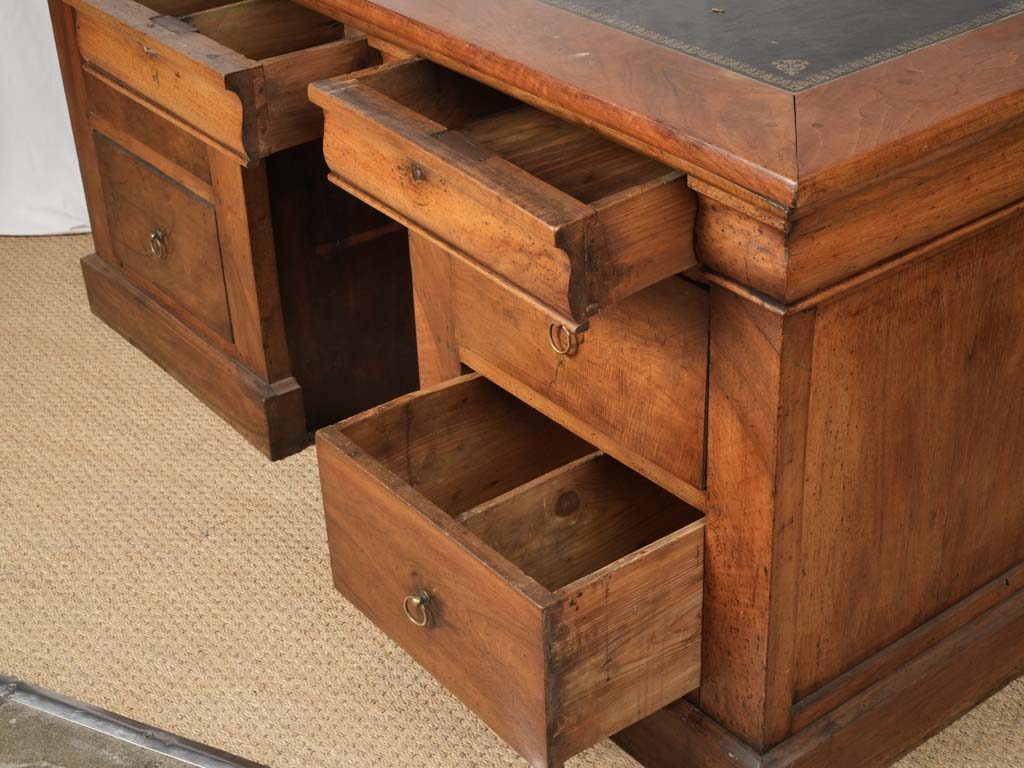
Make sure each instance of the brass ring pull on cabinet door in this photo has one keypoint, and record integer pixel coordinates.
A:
(158, 244)
(561, 339)
(417, 608)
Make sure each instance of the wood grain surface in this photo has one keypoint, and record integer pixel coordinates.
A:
(921, 371)
(706, 120)
(558, 210)
(677, 108)
(591, 617)
(142, 203)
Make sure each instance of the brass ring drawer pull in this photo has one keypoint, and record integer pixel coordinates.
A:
(158, 244)
(561, 339)
(417, 608)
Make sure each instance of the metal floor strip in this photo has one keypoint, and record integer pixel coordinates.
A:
(122, 729)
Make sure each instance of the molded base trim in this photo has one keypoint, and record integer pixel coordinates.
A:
(874, 728)
(270, 416)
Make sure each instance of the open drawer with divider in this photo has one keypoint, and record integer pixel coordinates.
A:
(555, 591)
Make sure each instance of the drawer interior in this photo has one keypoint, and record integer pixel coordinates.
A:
(555, 209)
(541, 497)
(577, 519)
(583, 579)
(572, 158)
(257, 29)
(233, 72)
(463, 445)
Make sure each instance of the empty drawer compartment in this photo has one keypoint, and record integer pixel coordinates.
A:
(235, 73)
(556, 209)
(556, 592)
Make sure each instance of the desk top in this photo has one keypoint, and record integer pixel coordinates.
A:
(793, 44)
(790, 102)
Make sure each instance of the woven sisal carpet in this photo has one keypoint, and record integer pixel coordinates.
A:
(153, 564)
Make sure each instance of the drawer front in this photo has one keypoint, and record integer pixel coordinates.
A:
(569, 217)
(634, 383)
(553, 590)
(164, 63)
(484, 635)
(234, 73)
(116, 115)
(164, 237)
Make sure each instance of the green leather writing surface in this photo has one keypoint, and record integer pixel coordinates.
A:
(794, 44)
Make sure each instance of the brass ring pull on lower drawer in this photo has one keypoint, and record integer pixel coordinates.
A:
(563, 341)
(417, 608)
(158, 244)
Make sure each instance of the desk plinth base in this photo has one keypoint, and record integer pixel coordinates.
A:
(871, 730)
(269, 415)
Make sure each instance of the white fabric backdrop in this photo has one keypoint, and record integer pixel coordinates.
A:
(40, 188)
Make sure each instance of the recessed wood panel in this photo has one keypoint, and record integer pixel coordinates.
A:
(112, 110)
(915, 448)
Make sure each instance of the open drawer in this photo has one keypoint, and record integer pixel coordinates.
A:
(557, 593)
(236, 73)
(568, 216)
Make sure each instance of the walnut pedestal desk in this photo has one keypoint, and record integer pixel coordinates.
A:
(738, 474)
(222, 251)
